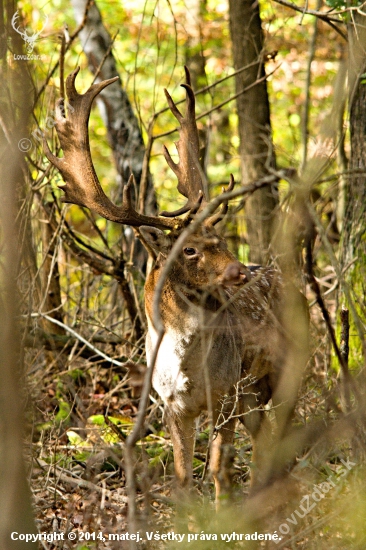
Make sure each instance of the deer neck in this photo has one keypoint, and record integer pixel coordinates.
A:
(182, 359)
(183, 308)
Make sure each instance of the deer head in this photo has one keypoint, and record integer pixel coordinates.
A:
(205, 260)
(29, 40)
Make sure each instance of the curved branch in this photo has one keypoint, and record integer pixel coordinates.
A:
(332, 21)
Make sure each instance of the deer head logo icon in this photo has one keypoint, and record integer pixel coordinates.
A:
(28, 39)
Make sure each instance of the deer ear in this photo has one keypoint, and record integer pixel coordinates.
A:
(156, 238)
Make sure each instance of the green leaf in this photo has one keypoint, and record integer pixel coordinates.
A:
(75, 439)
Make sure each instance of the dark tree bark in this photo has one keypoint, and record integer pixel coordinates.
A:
(256, 149)
(15, 503)
(353, 242)
(354, 226)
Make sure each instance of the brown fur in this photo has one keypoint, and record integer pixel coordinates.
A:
(238, 333)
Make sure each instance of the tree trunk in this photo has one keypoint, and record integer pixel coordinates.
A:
(354, 226)
(15, 503)
(353, 243)
(256, 150)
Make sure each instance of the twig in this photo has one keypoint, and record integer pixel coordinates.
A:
(344, 349)
(65, 343)
(305, 123)
(314, 285)
(134, 436)
(216, 107)
(68, 46)
(335, 263)
(210, 86)
(106, 54)
(70, 231)
(235, 96)
(79, 337)
(332, 21)
(116, 270)
(82, 483)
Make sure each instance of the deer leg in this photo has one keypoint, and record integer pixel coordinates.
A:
(221, 456)
(256, 422)
(284, 405)
(182, 433)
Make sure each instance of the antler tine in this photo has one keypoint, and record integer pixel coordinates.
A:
(188, 169)
(188, 76)
(220, 215)
(81, 185)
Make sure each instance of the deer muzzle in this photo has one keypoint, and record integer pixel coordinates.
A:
(236, 273)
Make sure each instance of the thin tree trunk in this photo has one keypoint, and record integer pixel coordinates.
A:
(196, 63)
(354, 224)
(195, 59)
(15, 503)
(52, 304)
(256, 148)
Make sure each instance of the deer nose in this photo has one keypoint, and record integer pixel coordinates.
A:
(236, 273)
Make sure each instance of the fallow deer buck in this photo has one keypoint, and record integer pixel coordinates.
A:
(223, 345)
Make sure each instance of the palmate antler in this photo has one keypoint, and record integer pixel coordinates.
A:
(188, 170)
(81, 185)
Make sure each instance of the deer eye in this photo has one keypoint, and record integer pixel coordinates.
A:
(189, 251)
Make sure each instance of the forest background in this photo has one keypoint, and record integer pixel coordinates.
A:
(71, 312)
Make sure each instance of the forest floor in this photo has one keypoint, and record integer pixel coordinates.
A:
(81, 416)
